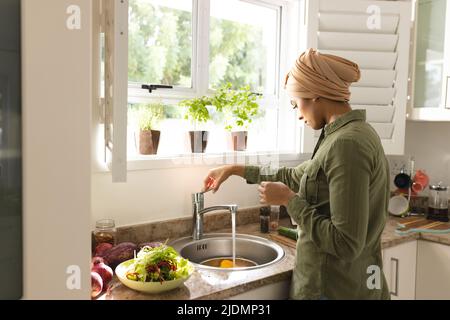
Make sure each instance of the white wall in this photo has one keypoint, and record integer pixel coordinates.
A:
(153, 195)
(56, 66)
(429, 143)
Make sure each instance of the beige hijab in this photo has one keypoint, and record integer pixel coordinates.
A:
(321, 75)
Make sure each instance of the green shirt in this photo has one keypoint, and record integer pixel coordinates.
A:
(341, 210)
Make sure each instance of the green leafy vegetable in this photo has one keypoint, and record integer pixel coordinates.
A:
(158, 264)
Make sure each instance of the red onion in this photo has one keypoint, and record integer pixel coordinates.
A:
(105, 272)
(102, 248)
(96, 284)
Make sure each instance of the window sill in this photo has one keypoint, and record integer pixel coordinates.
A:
(209, 160)
(438, 114)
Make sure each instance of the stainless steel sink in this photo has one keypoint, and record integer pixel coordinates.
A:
(219, 245)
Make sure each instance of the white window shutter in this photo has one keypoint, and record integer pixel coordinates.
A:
(350, 28)
(116, 86)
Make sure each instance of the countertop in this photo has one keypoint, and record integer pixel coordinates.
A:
(204, 284)
(390, 238)
(216, 285)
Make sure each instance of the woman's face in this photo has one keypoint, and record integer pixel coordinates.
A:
(309, 110)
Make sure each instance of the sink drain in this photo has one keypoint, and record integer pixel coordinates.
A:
(219, 262)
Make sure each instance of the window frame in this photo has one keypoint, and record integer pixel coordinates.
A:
(200, 55)
(200, 86)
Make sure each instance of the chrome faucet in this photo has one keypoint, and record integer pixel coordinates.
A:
(199, 211)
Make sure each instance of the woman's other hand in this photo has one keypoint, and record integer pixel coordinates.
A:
(275, 193)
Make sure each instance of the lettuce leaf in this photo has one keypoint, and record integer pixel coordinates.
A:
(158, 264)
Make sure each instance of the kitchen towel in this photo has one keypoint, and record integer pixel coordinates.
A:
(422, 225)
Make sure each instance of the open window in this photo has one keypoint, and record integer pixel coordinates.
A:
(110, 81)
(185, 49)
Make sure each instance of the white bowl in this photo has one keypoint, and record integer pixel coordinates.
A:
(398, 206)
(149, 287)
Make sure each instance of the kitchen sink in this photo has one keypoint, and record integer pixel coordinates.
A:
(259, 251)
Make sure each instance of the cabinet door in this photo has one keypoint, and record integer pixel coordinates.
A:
(399, 266)
(433, 271)
(431, 64)
(375, 35)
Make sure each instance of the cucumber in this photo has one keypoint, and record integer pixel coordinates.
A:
(288, 232)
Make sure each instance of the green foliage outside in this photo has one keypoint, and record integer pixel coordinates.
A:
(160, 44)
(160, 52)
(160, 49)
(237, 55)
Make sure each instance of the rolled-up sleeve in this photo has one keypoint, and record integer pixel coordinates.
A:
(343, 233)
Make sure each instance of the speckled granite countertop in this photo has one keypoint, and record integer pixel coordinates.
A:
(390, 238)
(204, 284)
(217, 285)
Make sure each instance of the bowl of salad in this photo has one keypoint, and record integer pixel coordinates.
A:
(154, 270)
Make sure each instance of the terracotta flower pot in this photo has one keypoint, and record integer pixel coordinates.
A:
(239, 140)
(199, 141)
(149, 141)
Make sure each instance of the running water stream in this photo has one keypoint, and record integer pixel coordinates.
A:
(233, 235)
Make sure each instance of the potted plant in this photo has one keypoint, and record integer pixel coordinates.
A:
(197, 112)
(148, 116)
(239, 108)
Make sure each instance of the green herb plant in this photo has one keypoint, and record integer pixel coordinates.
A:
(149, 115)
(197, 111)
(239, 107)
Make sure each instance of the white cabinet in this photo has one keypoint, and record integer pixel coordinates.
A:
(399, 266)
(431, 64)
(414, 270)
(433, 271)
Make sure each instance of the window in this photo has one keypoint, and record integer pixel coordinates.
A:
(243, 45)
(197, 47)
(160, 42)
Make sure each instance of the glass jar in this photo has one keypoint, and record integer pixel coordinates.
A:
(105, 232)
(274, 217)
(438, 203)
(264, 216)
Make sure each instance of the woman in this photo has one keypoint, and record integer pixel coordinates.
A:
(338, 198)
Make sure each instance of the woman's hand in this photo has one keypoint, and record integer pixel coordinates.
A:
(275, 193)
(217, 176)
